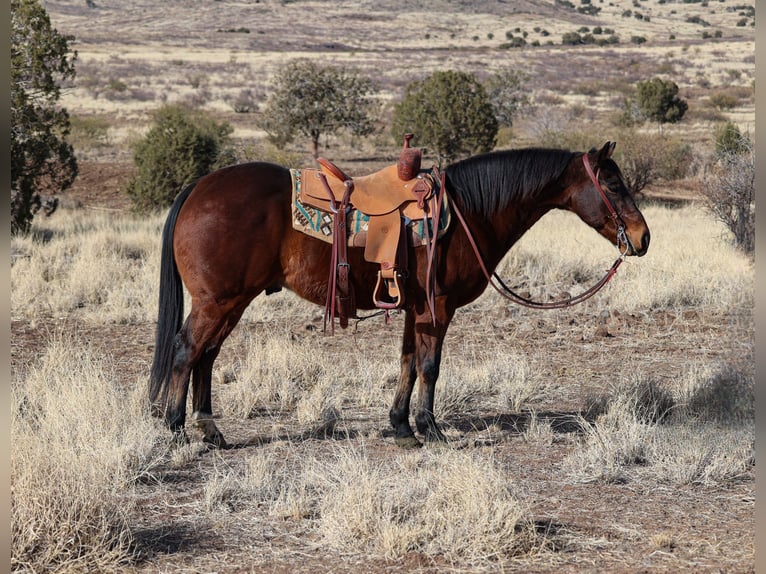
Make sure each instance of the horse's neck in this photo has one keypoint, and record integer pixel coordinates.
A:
(508, 226)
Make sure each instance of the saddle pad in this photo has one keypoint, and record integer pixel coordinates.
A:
(318, 223)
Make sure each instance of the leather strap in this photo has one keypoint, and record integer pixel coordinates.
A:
(507, 293)
(340, 293)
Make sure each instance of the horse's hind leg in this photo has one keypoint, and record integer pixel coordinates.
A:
(198, 341)
(202, 377)
(202, 403)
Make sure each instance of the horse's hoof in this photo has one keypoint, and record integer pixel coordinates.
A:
(216, 441)
(210, 433)
(435, 438)
(407, 442)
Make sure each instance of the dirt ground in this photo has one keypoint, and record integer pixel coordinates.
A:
(600, 527)
(638, 526)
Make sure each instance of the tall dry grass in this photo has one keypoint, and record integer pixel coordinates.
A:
(700, 429)
(691, 262)
(103, 268)
(79, 443)
(457, 505)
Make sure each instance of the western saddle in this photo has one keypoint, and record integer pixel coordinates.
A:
(389, 197)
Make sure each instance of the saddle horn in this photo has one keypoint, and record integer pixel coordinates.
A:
(409, 160)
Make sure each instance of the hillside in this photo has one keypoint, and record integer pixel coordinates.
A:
(135, 56)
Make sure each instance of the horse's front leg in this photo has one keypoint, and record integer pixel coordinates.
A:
(428, 342)
(400, 411)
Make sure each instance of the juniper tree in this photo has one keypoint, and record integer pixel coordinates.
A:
(312, 100)
(41, 157)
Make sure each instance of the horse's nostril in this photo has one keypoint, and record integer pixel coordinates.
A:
(645, 241)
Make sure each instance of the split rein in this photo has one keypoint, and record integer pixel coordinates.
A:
(507, 293)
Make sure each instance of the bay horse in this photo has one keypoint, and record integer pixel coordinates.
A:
(229, 237)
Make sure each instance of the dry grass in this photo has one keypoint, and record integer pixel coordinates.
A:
(80, 455)
(452, 504)
(690, 263)
(699, 431)
(103, 267)
(79, 444)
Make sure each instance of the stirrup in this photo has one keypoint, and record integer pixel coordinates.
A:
(392, 289)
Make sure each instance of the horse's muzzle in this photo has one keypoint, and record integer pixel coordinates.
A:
(644, 245)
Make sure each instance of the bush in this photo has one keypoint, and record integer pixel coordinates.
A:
(182, 146)
(646, 158)
(571, 39)
(314, 101)
(724, 101)
(450, 112)
(729, 187)
(658, 100)
(729, 140)
(506, 92)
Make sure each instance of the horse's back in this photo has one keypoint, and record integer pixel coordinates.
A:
(229, 229)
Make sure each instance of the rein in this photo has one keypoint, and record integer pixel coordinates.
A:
(507, 293)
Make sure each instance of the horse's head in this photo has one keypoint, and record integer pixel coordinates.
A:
(597, 193)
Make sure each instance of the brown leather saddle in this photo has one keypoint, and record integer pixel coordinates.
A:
(389, 197)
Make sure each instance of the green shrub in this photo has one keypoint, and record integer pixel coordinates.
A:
(451, 114)
(182, 146)
(571, 39)
(658, 100)
(314, 101)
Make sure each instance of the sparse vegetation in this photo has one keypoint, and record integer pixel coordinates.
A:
(372, 505)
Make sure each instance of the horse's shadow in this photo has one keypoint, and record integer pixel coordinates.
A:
(561, 422)
(297, 437)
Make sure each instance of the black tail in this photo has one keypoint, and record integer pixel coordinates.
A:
(171, 311)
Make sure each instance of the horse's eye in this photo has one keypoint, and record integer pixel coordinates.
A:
(612, 185)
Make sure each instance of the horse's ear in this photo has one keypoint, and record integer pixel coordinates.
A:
(605, 152)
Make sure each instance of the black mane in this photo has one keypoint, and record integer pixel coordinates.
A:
(486, 183)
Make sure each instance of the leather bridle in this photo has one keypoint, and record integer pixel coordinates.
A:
(507, 293)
